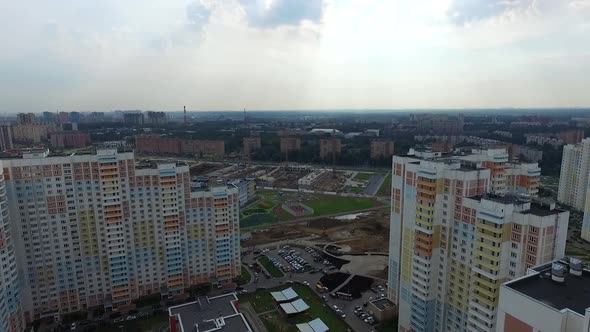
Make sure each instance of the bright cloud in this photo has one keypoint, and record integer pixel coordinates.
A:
(291, 54)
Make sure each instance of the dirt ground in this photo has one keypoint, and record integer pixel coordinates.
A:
(366, 233)
(204, 168)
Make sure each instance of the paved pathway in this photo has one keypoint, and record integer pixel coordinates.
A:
(252, 317)
(344, 283)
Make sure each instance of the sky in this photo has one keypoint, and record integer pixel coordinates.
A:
(101, 55)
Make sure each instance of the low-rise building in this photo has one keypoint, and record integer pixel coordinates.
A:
(551, 297)
(383, 309)
(208, 314)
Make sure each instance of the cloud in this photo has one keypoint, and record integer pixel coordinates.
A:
(465, 11)
(274, 13)
(197, 15)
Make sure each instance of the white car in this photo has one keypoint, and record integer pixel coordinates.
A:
(306, 283)
(130, 318)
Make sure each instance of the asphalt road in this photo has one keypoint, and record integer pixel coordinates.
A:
(347, 306)
(374, 184)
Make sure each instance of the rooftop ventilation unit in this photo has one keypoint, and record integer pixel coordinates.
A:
(575, 267)
(558, 273)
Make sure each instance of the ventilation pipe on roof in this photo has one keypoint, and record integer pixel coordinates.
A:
(575, 267)
(558, 273)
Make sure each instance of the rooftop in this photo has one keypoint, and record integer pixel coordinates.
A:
(383, 304)
(543, 210)
(573, 293)
(502, 199)
(206, 310)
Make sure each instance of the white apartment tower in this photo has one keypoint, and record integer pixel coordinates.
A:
(102, 230)
(453, 241)
(573, 178)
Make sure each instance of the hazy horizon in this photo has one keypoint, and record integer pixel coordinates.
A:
(291, 54)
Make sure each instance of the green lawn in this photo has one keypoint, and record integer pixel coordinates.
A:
(262, 301)
(274, 322)
(385, 189)
(147, 301)
(357, 190)
(269, 266)
(244, 277)
(258, 219)
(332, 205)
(144, 324)
(363, 176)
(388, 327)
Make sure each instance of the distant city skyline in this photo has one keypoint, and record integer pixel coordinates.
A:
(290, 54)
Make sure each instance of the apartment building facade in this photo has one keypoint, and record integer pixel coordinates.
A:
(100, 230)
(453, 241)
(573, 177)
(10, 301)
(330, 147)
(381, 149)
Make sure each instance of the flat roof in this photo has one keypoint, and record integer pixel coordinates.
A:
(294, 307)
(210, 313)
(543, 210)
(316, 325)
(573, 293)
(284, 295)
(383, 304)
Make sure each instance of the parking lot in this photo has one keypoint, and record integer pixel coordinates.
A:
(307, 265)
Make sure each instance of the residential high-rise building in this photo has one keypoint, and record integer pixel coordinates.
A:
(330, 147)
(5, 137)
(458, 231)
(75, 139)
(26, 118)
(102, 230)
(573, 178)
(251, 144)
(381, 149)
(157, 144)
(551, 297)
(10, 301)
(289, 144)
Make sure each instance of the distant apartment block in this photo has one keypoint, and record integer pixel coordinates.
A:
(289, 144)
(458, 231)
(156, 117)
(33, 132)
(102, 230)
(246, 190)
(171, 145)
(251, 144)
(573, 178)
(542, 140)
(133, 119)
(205, 147)
(571, 136)
(330, 147)
(26, 118)
(70, 139)
(6, 137)
(382, 149)
(551, 297)
(63, 117)
(440, 124)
